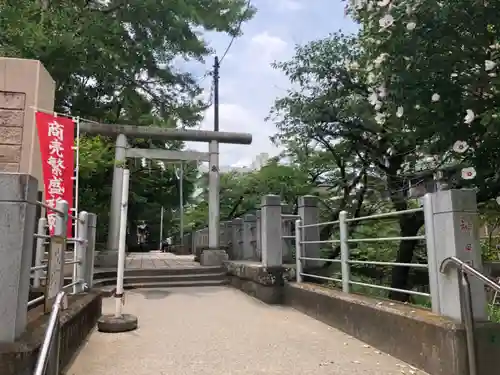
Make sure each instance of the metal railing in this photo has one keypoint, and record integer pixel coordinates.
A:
(467, 311)
(50, 254)
(345, 261)
(48, 358)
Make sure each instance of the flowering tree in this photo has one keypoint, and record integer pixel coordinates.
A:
(416, 90)
(432, 67)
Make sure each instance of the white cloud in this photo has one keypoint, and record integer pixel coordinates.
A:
(267, 48)
(289, 5)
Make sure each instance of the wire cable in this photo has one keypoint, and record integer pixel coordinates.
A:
(238, 29)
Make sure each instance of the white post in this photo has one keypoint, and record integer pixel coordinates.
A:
(181, 204)
(40, 251)
(298, 250)
(453, 230)
(80, 251)
(161, 227)
(344, 252)
(90, 254)
(213, 196)
(121, 245)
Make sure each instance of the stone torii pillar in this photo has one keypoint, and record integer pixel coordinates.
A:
(109, 258)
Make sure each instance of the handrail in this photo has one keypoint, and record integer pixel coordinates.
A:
(467, 310)
(48, 358)
(469, 270)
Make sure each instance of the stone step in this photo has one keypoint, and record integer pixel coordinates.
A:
(108, 291)
(162, 278)
(107, 273)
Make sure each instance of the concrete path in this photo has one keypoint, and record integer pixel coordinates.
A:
(157, 259)
(221, 331)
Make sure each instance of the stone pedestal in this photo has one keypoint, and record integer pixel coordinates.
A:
(213, 257)
(25, 86)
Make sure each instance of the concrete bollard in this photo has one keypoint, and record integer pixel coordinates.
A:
(18, 191)
(272, 251)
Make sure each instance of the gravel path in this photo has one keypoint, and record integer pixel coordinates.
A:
(219, 330)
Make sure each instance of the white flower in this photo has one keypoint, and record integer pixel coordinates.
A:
(469, 117)
(386, 21)
(489, 65)
(380, 59)
(400, 112)
(371, 78)
(417, 106)
(373, 98)
(383, 3)
(435, 97)
(460, 146)
(380, 118)
(382, 91)
(468, 173)
(354, 65)
(454, 75)
(410, 26)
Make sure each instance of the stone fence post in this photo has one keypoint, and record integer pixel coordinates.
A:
(237, 239)
(309, 214)
(271, 231)
(249, 239)
(258, 234)
(18, 191)
(452, 230)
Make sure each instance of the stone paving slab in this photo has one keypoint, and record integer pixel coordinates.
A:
(220, 330)
(156, 259)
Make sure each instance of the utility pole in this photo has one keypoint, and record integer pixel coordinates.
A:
(213, 173)
(216, 94)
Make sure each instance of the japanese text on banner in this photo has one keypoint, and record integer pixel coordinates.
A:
(56, 137)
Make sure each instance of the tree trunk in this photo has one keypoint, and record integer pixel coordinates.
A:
(409, 227)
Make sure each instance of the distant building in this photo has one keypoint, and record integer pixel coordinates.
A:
(260, 161)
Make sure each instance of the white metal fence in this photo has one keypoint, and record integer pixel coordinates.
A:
(345, 260)
(51, 263)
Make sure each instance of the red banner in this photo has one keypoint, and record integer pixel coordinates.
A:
(56, 137)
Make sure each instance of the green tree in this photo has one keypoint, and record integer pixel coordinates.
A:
(115, 60)
(118, 62)
(433, 66)
(241, 192)
(330, 111)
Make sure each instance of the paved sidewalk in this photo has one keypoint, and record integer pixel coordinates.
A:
(157, 259)
(222, 331)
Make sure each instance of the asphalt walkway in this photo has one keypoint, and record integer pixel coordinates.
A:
(220, 330)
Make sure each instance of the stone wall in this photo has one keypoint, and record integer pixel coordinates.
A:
(264, 283)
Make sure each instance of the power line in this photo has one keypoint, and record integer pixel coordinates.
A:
(238, 29)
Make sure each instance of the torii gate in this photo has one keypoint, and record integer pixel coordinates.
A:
(109, 257)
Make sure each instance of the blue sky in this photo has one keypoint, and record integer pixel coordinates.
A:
(248, 84)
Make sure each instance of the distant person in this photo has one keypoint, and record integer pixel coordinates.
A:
(166, 245)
